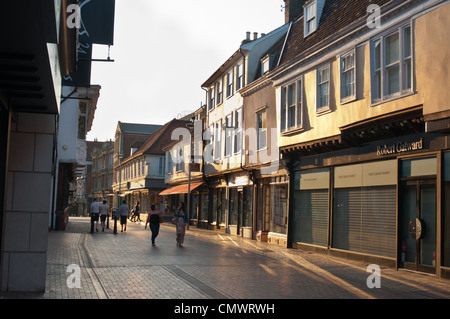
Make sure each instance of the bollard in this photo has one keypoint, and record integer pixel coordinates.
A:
(107, 221)
(92, 223)
(114, 215)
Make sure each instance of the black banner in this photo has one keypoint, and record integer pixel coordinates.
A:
(95, 26)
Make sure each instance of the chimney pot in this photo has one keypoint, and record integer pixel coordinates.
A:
(255, 35)
(248, 35)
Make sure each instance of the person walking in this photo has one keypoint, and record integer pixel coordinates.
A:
(154, 217)
(136, 213)
(95, 210)
(123, 212)
(180, 218)
(104, 210)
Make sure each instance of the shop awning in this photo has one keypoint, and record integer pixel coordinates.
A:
(180, 189)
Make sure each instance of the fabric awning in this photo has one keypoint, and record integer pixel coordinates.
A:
(180, 189)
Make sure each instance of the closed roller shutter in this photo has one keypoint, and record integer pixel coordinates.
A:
(311, 207)
(364, 220)
(311, 217)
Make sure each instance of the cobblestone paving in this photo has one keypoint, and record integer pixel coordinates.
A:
(211, 266)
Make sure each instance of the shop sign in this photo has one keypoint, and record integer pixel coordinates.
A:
(316, 179)
(399, 147)
(239, 181)
(368, 174)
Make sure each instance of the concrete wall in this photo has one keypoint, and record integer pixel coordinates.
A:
(28, 202)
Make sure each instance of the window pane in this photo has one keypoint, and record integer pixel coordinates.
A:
(324, 75)
(299, 103)
(263, 139)
(407, 75)
(393, 79)
(392, 49)
(349, 83)
(377, 55)
(348, 62)
(283, 109)
(291, 116)
(407, 42)
(291, 94)
(323, 95)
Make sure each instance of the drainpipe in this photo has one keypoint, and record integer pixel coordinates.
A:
(242, 129)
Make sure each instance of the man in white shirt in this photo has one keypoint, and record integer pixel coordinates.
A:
(104, 209)
(95, 210)
(123, 212)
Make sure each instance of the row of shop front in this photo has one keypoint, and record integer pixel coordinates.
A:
(387, 202)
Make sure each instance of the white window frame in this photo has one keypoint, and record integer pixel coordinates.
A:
(239, 76)
(344, 72)
(261, 130)
(219, 90)
(321, 83)
(265, 65)
(169, 167)
(379, 71)
(228, 134)
(230, 82)
(218, 140)
(237, 144)
(297, 104)
(161, 166)
(211, 98)
(310, 18)
(180, 159)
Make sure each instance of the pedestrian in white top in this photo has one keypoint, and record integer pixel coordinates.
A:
(104, 210)
(123, 212)
(95, 210)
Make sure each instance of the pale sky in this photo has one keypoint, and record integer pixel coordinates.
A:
(164, 51)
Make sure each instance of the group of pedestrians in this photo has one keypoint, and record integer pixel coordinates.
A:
(179, 218)
(154, 218)
(99, 211)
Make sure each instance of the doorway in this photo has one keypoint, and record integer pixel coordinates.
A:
(417, 225)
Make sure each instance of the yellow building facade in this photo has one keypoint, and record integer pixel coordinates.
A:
(363, 117)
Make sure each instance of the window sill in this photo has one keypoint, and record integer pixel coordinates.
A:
(323, 111)
(293, 131)
(392, 98)
(348, 100)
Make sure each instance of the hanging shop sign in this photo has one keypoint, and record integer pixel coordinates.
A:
(399, 147)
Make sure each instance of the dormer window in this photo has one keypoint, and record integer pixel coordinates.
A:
(310, 17)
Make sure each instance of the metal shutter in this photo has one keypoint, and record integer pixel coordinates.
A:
(311, 217)
(364, 220)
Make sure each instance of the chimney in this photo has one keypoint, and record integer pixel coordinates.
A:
(255, 35)
(247, 38)
(293, 9)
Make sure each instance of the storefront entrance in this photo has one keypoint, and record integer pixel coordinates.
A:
(417, 220)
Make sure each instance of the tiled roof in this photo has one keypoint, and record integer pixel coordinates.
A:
(336, 15)
(135, 128)
(156, 141)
